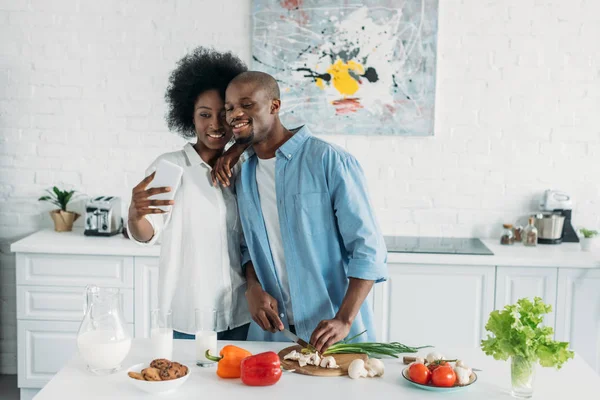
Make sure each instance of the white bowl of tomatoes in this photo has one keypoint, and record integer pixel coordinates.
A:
(440, 375)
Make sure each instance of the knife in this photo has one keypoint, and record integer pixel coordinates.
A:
(296, 339)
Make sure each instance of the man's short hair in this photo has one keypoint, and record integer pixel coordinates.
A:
(262, 80)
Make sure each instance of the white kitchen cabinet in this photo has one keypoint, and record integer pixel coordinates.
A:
(146, 293)
(578, 312)
(46, 269)
(513, 284)
(61, 303)
(44, 348)
(50, 300)
(420, 301)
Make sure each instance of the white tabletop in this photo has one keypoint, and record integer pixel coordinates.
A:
(575, 380)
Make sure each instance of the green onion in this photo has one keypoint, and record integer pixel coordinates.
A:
(372, 349)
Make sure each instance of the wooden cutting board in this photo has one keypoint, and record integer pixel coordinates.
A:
(343, 360)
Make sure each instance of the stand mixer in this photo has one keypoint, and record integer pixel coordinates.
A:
(554, 226)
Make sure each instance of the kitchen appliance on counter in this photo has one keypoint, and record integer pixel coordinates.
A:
(436, 245)
(554, 223)
(103, 216)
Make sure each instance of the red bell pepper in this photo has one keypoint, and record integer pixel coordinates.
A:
(262, 369)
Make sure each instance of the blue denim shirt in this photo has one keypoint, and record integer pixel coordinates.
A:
(328, 229)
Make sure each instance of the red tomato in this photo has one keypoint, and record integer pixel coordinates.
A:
(443, 376)
(419, 373)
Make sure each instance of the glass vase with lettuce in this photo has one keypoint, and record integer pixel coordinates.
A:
(519, 334)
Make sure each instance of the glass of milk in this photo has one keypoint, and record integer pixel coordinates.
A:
(161, 334)
(206, 335)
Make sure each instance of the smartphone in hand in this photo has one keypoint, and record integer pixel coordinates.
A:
(167, 174)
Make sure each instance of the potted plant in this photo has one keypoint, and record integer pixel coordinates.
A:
(519, 335)
(63, 219)
(589, 237)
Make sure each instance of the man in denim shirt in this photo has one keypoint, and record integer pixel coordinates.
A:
(313, 246)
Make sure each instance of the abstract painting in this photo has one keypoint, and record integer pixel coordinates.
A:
(358, 67)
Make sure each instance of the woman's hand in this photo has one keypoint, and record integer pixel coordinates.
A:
(141, 205)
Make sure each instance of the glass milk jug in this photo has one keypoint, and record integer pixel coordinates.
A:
(103, 340)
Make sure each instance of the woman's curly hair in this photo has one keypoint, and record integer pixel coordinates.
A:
(201, 70)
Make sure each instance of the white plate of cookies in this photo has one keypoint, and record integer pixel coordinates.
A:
(160, 376)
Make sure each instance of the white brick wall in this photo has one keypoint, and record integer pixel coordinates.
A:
(81, 103)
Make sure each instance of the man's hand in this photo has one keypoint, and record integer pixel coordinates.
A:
(329, 332)
(221, 171)
(263, 308)
(333, 330)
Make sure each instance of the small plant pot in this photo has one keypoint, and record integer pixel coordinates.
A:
(588, 244)
(63, 220)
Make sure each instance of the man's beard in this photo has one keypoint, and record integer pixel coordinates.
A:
(247, 139)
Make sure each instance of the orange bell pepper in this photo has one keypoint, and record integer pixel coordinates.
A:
(230, 361)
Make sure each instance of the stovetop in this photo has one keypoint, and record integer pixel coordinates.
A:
(436, 245)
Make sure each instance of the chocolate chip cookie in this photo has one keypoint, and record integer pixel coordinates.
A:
(160, 363)
(151, 374)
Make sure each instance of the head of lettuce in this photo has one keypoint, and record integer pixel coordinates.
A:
(518, 334)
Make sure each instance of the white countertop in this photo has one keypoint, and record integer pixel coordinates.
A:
(566, 255)
(576, 378)
(49, 241)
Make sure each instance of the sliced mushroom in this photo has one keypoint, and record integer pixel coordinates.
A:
(314, 359)
(328, 362)
(294, 356)
(303, 360)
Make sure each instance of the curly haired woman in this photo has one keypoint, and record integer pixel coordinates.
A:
(200, 262)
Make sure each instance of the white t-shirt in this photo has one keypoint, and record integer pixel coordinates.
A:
(200, 258)
(265, 180)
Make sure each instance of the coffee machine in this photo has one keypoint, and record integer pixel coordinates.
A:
(554, 224)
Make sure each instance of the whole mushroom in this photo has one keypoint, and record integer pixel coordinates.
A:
(374, 367)
(357, 369)
(463, 372)
(434, 356)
